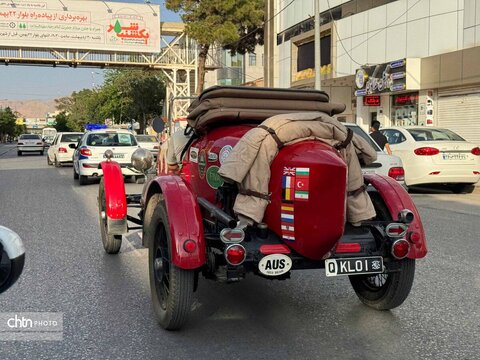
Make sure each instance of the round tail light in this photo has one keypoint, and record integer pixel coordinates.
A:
(476, 151)
(189, 246)
(400, 248)
(235, 254)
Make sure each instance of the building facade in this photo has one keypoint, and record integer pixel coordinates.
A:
(402, 62)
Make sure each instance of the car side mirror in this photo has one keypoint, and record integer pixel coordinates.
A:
(12, 258)
(158, 124)
(72, 146)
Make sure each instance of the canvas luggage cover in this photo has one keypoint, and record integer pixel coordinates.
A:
(221, 105)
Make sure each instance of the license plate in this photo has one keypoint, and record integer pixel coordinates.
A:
(368, 171)
(354, 266)
(454, 156)
(117, 156)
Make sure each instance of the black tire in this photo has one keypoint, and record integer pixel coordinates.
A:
(75, 174)
(48, 160)
(171, 287)
(83, 179)
(111, 243)
(19, 153)
(57, 163)
(390, 289)
(463, 188)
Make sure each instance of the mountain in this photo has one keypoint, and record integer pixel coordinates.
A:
(30, 108)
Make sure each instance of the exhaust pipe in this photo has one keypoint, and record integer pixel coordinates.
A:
(406, 216)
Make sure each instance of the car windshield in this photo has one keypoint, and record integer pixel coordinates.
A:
(111, 139)
(30, 137)
(146, 138)
(71, 138)
(434, 135)
(359, 131)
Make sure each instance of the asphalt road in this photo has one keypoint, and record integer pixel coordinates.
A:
(105, 300)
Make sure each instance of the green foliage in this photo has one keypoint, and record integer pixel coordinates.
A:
(222, 22)
(7, 123)
(62, 122)
(125, 95)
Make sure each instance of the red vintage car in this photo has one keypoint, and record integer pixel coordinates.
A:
(190, 228)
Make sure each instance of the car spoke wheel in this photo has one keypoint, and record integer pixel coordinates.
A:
(390, 289)
(171, 287)
(111, 243)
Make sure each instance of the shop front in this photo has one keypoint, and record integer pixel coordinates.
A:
(388, 93)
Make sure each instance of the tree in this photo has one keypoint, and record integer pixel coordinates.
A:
(7, 123)
(236, 25)
(62, 122)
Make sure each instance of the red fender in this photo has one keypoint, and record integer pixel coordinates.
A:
(185, 221)
(396, 199)
(115, 198)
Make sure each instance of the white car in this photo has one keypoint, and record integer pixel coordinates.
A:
(30, 143)
(387, 165)
(433, 155)
(90, 150)
(59, 152)
(149, 142)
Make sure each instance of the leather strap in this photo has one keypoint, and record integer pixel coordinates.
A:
(358, 191)
(254, 194)
(343, 144)
(272, 132)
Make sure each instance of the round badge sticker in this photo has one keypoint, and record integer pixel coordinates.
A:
(202, 164)
(226, 150)
(213, 179)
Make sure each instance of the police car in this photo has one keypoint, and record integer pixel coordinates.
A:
(90, 151)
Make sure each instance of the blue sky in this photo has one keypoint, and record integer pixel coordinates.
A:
(44, 83)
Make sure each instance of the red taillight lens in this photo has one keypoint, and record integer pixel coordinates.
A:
(400, 248)
(476, 151)
(426, 151)
(414, 237)
(476, 173)
(62, 150)
(396, 229)
(235, 254)
(86, 152)
(189, 246)
(397, 173)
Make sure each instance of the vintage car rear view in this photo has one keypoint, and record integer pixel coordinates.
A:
(270, 183)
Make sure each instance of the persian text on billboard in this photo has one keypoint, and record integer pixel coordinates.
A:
(85, 25)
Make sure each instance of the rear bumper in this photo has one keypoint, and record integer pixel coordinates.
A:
(446, 176)
(64, 158)
(94, 169)
(32, 148)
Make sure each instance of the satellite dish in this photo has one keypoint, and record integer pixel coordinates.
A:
(158, 124)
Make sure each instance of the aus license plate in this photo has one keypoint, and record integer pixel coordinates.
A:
(354, 266)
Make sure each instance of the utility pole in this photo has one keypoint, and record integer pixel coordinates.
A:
(318, 81)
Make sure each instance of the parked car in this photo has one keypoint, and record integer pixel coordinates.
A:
(387, 165)
(30, 143)
(59, 152)
(433, 155)
(149, 142)
(90, 151)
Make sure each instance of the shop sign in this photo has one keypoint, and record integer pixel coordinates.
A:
(381, 78)
(371, 100)
(405, 99)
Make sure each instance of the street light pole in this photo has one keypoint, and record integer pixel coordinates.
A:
(318, 80)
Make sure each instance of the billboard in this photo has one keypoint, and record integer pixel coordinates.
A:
(85, 25)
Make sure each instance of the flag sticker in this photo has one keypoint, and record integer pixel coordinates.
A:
(288, 186)
(287, 217)
(302, 179)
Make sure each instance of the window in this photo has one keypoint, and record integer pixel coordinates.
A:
(111, 139)
(434, 135)
(252, 59)
(393, 136)
(30, 137)
(71, 138)
(306, 54)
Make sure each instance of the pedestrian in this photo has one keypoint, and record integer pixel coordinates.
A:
(379, 138)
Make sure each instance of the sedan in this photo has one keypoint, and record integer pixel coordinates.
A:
(387, 165)
(59, 152)
(435, 156)
(148, 142)
(30, 143)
